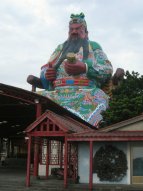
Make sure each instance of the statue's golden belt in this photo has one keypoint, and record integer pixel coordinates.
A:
(71, 82)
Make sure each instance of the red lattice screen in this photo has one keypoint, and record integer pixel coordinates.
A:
(55, 152)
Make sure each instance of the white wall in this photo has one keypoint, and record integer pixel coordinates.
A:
(83, 161)
(42, 169)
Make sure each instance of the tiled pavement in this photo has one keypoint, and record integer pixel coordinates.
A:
(14, 180)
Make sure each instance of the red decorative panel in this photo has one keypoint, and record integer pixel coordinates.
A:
(73, 161)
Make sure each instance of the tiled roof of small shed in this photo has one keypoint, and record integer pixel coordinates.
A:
(113, 136)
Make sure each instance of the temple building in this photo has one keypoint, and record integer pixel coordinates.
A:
(54, 142)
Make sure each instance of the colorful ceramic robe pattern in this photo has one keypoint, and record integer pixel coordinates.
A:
(81, 94)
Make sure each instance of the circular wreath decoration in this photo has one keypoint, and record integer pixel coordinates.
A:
(110, 163)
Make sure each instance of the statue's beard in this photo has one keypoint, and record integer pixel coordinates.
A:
(73, 44)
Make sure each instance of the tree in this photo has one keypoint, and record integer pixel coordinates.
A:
(126, 101)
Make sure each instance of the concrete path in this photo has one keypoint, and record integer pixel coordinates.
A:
(13, 179)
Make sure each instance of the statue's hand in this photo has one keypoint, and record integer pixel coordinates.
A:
(119, 73)
(50, 73)
(118, 76)
(75, 68)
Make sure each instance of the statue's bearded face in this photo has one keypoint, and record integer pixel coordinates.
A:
(77, 30)
(77, 39)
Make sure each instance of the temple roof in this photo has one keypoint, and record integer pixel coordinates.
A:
(18, 110)
(123, 125)
(18, 114)
(52, 124)
(107, 136)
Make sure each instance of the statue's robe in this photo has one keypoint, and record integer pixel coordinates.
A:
(81, 94)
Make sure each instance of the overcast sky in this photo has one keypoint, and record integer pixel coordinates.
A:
(30, 30)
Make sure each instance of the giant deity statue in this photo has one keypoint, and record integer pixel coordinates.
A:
(75, 73)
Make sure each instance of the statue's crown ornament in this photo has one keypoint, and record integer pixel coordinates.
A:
(78, 18)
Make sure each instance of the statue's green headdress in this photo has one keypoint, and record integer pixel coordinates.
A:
(78, 18)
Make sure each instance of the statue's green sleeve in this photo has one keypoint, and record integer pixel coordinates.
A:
(56, 53)
(99, 67)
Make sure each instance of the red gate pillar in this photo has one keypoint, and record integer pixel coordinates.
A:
(36, 143)
(28, 162)
(91, 166)
(65, 163)
(38, 109)
(36, 157)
